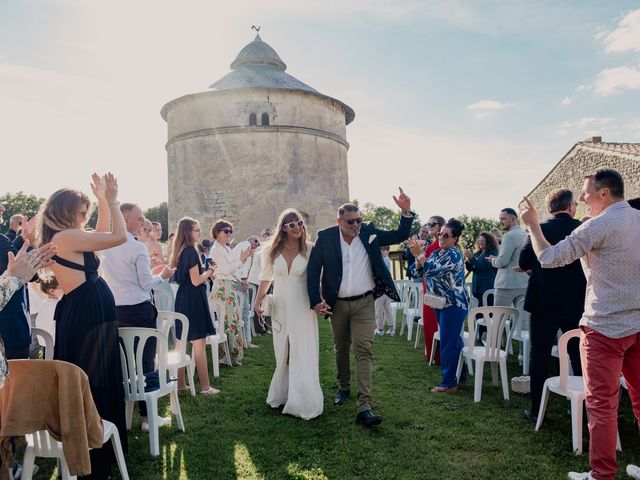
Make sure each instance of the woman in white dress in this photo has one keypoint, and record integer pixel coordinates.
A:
(296, 380)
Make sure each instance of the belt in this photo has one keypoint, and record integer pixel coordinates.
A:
(357, 297)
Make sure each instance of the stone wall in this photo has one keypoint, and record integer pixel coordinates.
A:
(583, 160)
(248, 175)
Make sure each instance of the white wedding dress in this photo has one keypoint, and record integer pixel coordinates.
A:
(296, 381)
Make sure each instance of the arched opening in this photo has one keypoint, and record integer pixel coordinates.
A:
(253, 119)
(265, 119)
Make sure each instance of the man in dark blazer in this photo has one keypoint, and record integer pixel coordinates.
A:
(555, 296)
(14, 317)
(345, 274)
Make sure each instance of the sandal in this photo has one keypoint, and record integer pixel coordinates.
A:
(440, 389)
(211, 391)
(182, 390)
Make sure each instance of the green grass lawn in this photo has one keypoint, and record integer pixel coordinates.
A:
(423, 436)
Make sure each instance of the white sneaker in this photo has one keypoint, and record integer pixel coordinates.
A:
(378, 333)
(391, 333)
(162, 421)
(580, 476)
(633, 471)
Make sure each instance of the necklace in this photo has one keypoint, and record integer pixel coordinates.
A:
(290, 248)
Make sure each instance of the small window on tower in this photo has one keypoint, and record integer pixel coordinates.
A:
(265, 119)
(253, 119)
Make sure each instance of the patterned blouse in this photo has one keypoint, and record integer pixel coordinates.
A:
(444, 272)
(8, 286)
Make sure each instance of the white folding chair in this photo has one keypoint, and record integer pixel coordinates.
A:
(134, 379)
(41, 444)
(164, 298)
(218, 310)
(414, 296)
(46, 337)
(521, 335)
(44, 319)
(252, 292)
(495, 319)
(178, 358)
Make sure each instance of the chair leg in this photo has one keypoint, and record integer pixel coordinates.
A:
(152, 419)
(494, 373)
(227, 352)
(526, 352)
(402, 324)
(415, 345)
(27, 463)
(215, 359)
(409, 327)
(576, 424)
(618, 444)
(190, 371)
(175, 408)
(477, 384)
(128, 413)
(469, 366)
(505, 380)
(117, 449)
(543, 405)
(432, 355)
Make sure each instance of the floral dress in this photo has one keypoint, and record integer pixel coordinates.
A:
(224, 290)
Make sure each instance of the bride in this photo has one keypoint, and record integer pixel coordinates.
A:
(295, 383)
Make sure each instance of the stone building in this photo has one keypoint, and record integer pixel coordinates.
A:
(257, 142)
(585, 158)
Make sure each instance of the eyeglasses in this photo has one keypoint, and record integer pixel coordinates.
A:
(148, 230)
(292, 225)
(354, 220)
(432, 224)
(444, 235)
(227, 231)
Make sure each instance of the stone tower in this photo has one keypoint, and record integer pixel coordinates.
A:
(257, 142)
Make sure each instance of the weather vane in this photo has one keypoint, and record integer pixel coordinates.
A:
(257, 29)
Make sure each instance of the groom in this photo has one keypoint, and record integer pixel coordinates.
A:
(347, 263)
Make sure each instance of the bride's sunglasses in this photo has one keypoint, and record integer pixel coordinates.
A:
(292, 225)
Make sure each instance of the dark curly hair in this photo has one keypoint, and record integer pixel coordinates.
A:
(456, 227)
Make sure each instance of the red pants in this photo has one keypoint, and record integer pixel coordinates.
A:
(603, 360)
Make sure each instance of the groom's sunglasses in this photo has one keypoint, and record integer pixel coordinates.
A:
(354, 220)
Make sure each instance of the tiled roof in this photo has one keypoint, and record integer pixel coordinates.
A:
(624, 148)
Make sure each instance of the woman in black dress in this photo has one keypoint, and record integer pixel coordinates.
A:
(86, 331)
(191, 299)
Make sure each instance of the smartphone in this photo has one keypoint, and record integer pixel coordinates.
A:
(207, 262)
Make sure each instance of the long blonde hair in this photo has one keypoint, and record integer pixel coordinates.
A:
(279, 237)
(182, 239)
(60, 212)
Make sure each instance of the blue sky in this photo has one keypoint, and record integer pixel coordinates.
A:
(466, 104)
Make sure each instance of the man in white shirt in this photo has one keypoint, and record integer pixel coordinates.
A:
(242, 274)
(344, 274)
(509, 283)
(128, 274)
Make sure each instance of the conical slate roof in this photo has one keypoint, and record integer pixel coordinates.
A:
(259, 66)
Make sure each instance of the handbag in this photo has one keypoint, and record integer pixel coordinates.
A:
(267, 305)
(434, 301)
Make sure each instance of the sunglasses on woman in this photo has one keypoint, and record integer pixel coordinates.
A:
(227, 231)
(354, 220)
(292, 225)
(444, 235)
(432, 224)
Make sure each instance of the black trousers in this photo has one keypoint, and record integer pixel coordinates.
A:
(543, 331)
(16, 353)
(141, 315)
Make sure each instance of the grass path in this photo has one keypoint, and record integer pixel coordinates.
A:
(424, 436)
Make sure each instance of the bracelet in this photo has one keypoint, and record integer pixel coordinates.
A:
(421, 257)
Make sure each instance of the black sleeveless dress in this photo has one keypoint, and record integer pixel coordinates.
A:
(87, 336)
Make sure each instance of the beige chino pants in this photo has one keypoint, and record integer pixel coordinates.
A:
(352, 323)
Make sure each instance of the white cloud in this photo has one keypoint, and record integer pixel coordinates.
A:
(615, 80)
(566, 101)
(582, 88)
(567, 127)
(625, 37)
(485, 108)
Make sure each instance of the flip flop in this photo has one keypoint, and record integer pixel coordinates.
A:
(211, 391)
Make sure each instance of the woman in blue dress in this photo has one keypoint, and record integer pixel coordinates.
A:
(191, 299)
(86, 327)
(444, 275)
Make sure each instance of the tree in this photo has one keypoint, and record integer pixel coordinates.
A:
(160, 214)
(385, 218)
(473, 227)
(19, 203)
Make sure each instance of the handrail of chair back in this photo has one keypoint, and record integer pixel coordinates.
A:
(163, 299)
(486, 294)
(131, 359)
(495, 319)
(167, 321)
(48, 341)
(218, 311)
(564, 356)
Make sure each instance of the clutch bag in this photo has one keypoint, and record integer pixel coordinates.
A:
(434, 301)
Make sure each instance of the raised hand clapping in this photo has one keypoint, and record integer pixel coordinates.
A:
(403, 201)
